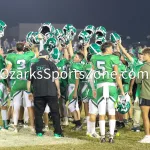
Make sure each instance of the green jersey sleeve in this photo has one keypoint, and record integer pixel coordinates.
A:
(115, 60)
(30, 54)
(9, 59)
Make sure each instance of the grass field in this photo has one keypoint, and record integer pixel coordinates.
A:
(75, 141)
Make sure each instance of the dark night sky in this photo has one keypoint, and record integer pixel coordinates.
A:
(127, 17)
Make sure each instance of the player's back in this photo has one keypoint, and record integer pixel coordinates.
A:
(20, 62)
(104, 67)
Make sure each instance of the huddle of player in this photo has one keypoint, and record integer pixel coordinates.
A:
(104, 92)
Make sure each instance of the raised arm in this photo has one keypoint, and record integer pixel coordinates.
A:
(124, 51)
(70, 49)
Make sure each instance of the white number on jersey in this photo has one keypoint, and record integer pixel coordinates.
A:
(21, 64)
(100, 66)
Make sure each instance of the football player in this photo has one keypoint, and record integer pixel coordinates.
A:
(105, 74)
(19, 64)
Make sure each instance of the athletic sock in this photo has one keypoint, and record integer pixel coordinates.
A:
(112, 125)
(102, 127)
(4, 118)
(92, 127)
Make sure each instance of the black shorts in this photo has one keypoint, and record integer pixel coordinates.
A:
(144, 102)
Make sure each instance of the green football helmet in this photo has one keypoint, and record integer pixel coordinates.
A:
(50, 44)
(90, 29)
(59, 33)
(70, 31)
(100, 31)
(114, 37)
(1, 32)
(94, 49)
(49, 35)
(55, 55)
(46, 27)
(3, 24)
(2, 28)
(63, 40)
(61, 37)
(35, 39)
(123, 104)
(100, 40)
(84, 37)
(29, 38)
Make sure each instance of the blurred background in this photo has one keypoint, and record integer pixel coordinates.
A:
(129, 18)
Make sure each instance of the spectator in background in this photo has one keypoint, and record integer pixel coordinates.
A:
(13, 44)
(132, 50)
(6, 45)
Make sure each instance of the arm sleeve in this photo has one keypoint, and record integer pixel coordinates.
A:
(8, 59)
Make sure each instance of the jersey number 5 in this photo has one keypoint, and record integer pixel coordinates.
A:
(21, 64)
(100, 66)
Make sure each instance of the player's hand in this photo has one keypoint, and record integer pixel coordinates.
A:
(130, 93)
(8, 89)
(26, 44)
(30, 96)
(75, 95)
(94, 93)
(59, 94)
(86, 45)
(122, 93)
(118, 42)
(40, 36)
